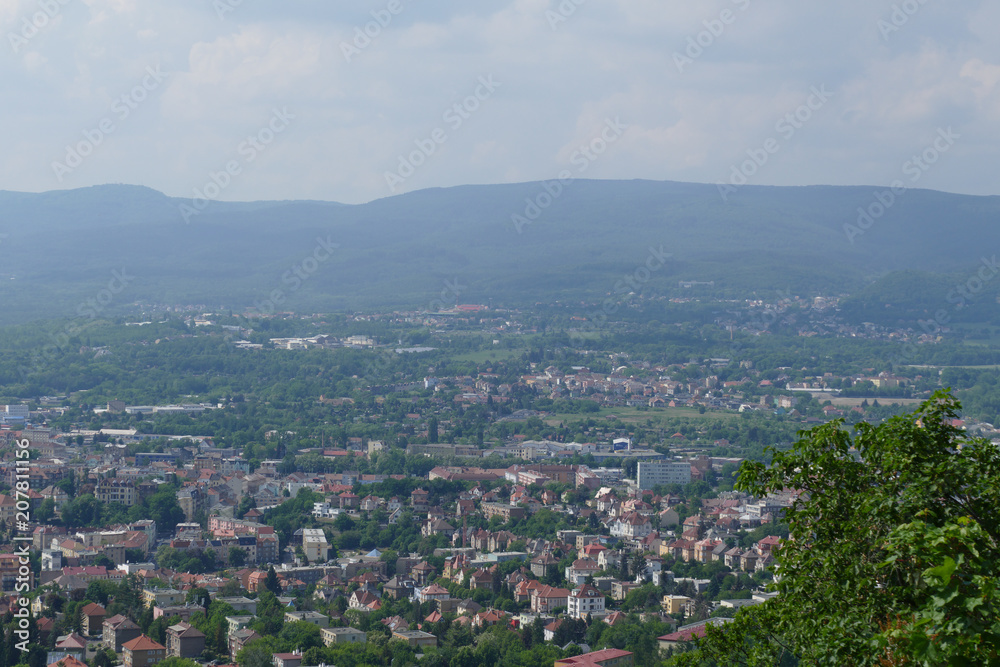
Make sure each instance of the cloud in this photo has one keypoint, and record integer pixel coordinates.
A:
(561, 80)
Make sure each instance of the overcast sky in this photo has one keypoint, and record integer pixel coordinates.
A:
(658, 89)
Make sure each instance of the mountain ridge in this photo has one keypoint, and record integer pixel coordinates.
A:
(398, 251)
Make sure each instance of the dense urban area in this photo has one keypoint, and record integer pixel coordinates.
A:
(465, 487)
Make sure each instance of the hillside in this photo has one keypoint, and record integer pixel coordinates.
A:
(57, 249)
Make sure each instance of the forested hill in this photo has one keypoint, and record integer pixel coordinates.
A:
(504, 244)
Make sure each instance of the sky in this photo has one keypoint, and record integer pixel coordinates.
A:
(354, 101)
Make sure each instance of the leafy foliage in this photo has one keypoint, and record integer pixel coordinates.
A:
(892, 550)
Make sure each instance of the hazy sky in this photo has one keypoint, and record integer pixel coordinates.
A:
(298, 102)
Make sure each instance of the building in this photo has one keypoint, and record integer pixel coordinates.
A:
(416, 638)
(240, 603)
(118, 630)
(546, 598)
(333, 636)
(239, 639)
(675, 604)
(314, 617)
(10, 565)
(92, 621)
(162, 597)
(184, 612)
(609, 657)
(419, 500)
(314, 545)
(293, 659)
(631, 526)
(543, 565)
(399, 587)
(72, 644)
(116, 490)
(238, 622)
(143, 651)
(653, 473)
(433, 592)
(585, 600)
(504, 511)
(185, 641)
(192, 500)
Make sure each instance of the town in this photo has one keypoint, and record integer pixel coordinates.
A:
(470, 492)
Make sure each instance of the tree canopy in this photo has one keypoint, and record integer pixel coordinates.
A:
(892, 549)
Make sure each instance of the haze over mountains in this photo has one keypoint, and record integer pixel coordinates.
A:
(441, 246)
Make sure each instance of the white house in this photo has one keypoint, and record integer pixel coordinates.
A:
(585, 600)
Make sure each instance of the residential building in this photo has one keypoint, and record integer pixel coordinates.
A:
(653, 473)
(162, 597)
(585, 600)
(315, 546)
(675, 604)
(542, 565)
(581, 568)
(143, 651)
(293, 659)
(185, 641)
(416, 638)
(314, 617)
(333, 636)
(238, 622)
(240, 603)
(116, 490)
(609, 657)
(72, 644)
(69, 661)
(118, 630)
(546, 598)
(631, 526)
(92, 621)
(239, 639)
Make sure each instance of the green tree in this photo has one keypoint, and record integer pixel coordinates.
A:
(271, 582)
(892, 550)
(46, 510)
(237, 557)
(255, 654)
